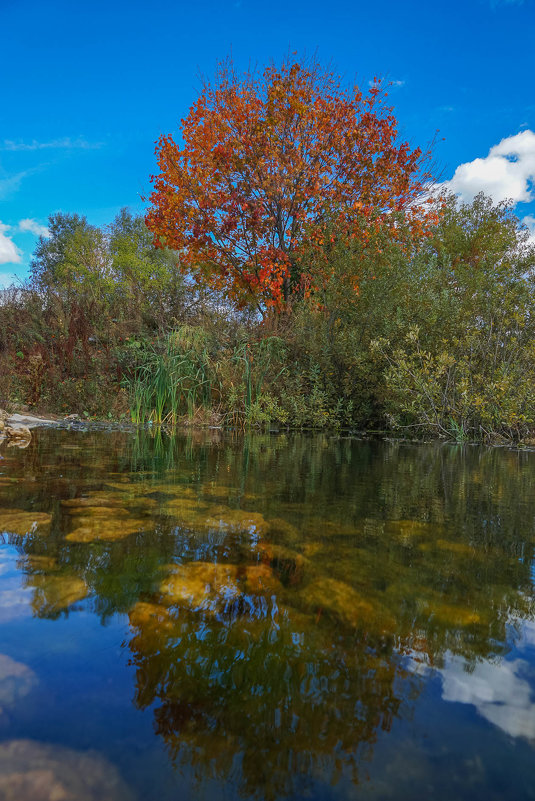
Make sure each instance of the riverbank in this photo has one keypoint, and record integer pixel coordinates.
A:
(25, 420)
(430, 343)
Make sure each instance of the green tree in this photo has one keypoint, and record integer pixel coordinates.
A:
(73, 259)
(463, 361)
(152, 289)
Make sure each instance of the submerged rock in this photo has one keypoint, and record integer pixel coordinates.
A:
(199, 516)
(91, 529)
(408, 530)
(460, 548)
(104, 516)
(337, 599)
(35, 563)
(451, 614)
(106, 512)
(288, 565)
(260, 579)
(218, 588)
(18, 521)
(235, 520)
(204, 586)
(93, 499)
(280, 529)
(319, 528)
(32, 771)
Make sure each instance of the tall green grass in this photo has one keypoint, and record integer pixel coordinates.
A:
(177, 376)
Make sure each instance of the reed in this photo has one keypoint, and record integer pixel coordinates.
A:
(176, 377)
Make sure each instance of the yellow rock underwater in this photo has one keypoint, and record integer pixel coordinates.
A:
(196, 515)
(326, 596)
(90, 529)
(106, 516)
(214, 587)
(200, 585)
(17, 521)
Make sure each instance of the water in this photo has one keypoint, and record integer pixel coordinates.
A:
(218, 617)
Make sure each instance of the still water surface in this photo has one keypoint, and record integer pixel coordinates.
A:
(269, 617)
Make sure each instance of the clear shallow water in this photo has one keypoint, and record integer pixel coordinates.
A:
(268, 617)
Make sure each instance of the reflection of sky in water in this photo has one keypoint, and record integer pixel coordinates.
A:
(502, 691)
(15, 601)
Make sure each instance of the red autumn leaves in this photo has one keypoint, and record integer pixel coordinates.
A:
(267, 163)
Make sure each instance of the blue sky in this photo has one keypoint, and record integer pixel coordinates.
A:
(87, 88)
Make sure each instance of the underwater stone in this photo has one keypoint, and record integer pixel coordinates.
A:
(99, 499)
(18, 521)
(106, 512)
(288, 565)
(281, 529)
(451, 615)
(261, 579)
(89, 528)
(200, 516)
(338, 599)
(201, 585)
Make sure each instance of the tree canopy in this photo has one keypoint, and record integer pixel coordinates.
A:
(267, 161)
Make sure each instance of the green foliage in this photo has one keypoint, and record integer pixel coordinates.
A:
(173, 377)
(435, 337)
(153, 291)
(72, 259)
(463, 363)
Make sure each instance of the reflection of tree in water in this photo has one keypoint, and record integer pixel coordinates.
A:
(372, 551)
(269, 701)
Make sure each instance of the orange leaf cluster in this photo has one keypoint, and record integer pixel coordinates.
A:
(265, 161)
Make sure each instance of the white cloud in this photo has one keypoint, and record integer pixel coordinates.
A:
(507, 172)
(529, 222)
(66, 143)
(9, 252)
(33, 227)
(10, 185)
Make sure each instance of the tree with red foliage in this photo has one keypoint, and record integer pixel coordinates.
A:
(266, 163)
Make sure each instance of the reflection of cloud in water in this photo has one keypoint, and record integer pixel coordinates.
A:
(528, 633)
(15, 601)
(503, 691)
(16, 681)
(498, 690)
(32, 771)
